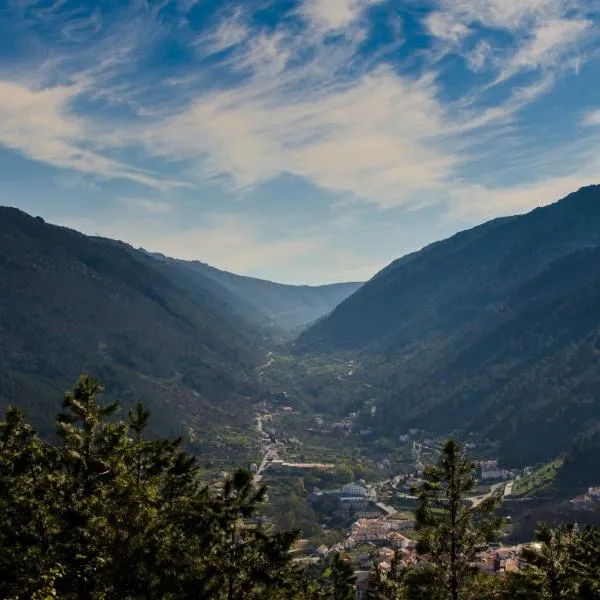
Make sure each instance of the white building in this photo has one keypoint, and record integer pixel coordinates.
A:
(487, 474)
(353, 489)
(594, 492)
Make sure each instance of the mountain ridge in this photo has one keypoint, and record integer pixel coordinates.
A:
(287, 306)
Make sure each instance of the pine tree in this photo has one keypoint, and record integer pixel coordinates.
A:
(387, 586)
(28, 523)
(340, 579)
(561, 564)
(449, 529)
(585, 563)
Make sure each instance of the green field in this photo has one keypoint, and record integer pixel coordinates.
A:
(538, 481)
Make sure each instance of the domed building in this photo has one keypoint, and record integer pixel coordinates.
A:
(353, 489)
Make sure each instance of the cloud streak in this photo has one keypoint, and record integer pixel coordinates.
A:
(301, 96)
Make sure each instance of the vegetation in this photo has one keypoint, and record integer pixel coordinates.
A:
(108, 514)
(493, 330)
(78, 303)
(450, 535)
(539, 480)
(186, 337)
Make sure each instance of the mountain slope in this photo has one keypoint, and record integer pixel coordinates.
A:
(531, 382)
(285, 306)
(72, 303)
(463, 281)
(495, 330)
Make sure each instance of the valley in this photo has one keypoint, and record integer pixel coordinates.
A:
(491, 337)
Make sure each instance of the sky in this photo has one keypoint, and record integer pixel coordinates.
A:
(304, 141)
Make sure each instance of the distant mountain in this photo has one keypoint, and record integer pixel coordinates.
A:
(495, 330)
(71, 303)
(288, 307)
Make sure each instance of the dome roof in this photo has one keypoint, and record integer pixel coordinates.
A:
(352, 489)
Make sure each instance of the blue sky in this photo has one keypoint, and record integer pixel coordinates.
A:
(306, 141)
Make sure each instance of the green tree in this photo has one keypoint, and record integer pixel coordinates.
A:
(340, 580)
(29, 500)
(108, 514)
(585, 563)
(561, 564)
(387, 586)
(449, 530)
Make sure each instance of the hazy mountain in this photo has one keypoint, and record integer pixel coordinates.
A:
(71, 303)
(288, 307)
(493, 330)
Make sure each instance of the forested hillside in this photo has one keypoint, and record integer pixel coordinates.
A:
(532, 382)
(459, 284)
(71, 303)
(495, 330)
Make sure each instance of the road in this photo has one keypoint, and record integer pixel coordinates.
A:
(477, 500)
(270, 450)
(270, 360)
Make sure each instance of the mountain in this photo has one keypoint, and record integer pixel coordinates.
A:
(71, 303)
(288, 307)
(495, 330)
(463, 281)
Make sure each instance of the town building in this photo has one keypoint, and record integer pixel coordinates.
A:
(594, 492)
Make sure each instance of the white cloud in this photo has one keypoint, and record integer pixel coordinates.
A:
(479, 57)
(544, 33)
(148, 205)
(334, 14)
(475, 203)
(592, 118)
(376, 139)
(40, 124)
(237, 244)
(290, 100)
(548, 46)
(445, 26)
(510, 15)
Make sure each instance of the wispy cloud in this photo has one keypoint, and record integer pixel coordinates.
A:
(334, 14)
(40, 124)
(548, 47)
(251, 102)
(148, 205)
(592, 118)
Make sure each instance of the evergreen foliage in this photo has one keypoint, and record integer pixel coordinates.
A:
(108, 513)
(449, 529)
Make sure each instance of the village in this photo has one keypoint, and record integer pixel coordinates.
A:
(378, 519)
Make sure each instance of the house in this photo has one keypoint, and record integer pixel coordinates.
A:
(384, 566)
(363, 580)
(581, 502)
(400, 541)
(386, 554)
(490, 470)
(594, 492)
